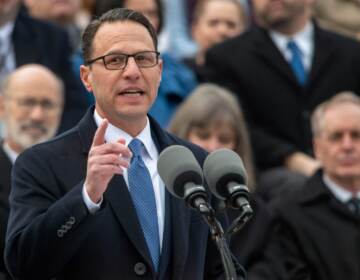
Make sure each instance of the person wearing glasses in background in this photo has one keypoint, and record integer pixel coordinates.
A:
(31, 103)
(90, 204)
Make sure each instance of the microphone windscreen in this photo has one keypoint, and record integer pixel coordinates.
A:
(177, 166)
(222, 167)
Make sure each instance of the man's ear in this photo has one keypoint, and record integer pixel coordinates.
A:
(2, 106)
(160, 69)
(85, 75)
(316, 148)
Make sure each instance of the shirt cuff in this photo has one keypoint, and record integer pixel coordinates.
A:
(91, 206)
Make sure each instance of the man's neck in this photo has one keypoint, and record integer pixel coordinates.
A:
(352, 184)
(291, 29)
(14, 146)
(10, 152)
(131, 125)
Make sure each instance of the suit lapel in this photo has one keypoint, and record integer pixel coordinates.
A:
(166, 245)
(316, 189)
(120, 201)
(323, 52)
(180, 223)
(177, 216)
(267, 51)
(117, 193)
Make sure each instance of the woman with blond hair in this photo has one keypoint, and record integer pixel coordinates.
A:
(211, 117)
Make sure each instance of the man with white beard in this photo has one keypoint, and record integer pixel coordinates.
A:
(31, 104)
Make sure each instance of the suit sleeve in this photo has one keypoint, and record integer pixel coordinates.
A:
(46, 225)
(282, 257)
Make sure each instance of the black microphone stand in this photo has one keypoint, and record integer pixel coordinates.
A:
(240, 221)
(217, 234)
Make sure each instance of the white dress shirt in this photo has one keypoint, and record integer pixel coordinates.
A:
(7, 49)
(303, 39)
(150, 157)
(10, 152)
(342, 194)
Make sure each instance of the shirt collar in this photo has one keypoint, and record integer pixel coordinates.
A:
(10, 152)
(113, 134)
(5, 33)
(303, 39)
(339, 192)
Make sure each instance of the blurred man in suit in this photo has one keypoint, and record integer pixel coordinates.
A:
(63, 13)
(79, 208)
(316, 232)
(25, 40)
(31, 104)
(280, 73)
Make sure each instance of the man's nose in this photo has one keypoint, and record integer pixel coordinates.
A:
(223, 30)
(347, 141)
(37, 112)
(131, 70)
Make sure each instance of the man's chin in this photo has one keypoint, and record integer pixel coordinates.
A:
(31, 140)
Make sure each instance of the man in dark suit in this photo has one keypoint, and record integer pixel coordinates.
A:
(27, 40)
(280, 72)
(77, 206)
(316, 230)
(5, 166)
(30, 105)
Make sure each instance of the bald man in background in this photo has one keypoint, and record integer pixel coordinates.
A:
(31, 104)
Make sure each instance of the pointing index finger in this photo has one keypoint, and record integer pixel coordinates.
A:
(99, 137)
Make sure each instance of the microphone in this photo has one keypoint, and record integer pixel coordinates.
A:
(183, 177)
(226, 176)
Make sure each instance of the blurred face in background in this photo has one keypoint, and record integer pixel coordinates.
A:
(60, 11)
(217, 20)
(213, 137)
(148, 8)
(31, 107)
(337, 144)
(8, 10)
(282, 13)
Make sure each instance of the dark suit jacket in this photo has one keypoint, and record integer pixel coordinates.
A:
(5, 171)
(314, 236)
(248, 243)
(277, 108)
(51, 233)
(46, 44)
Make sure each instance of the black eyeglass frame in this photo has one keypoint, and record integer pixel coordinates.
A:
(91, 61)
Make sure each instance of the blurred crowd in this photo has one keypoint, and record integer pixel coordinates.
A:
(277, 81)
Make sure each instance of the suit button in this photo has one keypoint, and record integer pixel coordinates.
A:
(60, 233)
(72, 220)
(140, 268)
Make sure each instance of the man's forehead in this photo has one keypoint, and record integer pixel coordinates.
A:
(32, 89)
(122, 32)
(343, 110)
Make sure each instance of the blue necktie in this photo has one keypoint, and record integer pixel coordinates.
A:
(142, 194)
(296, 62)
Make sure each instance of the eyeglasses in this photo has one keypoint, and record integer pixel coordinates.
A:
(118, 61)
